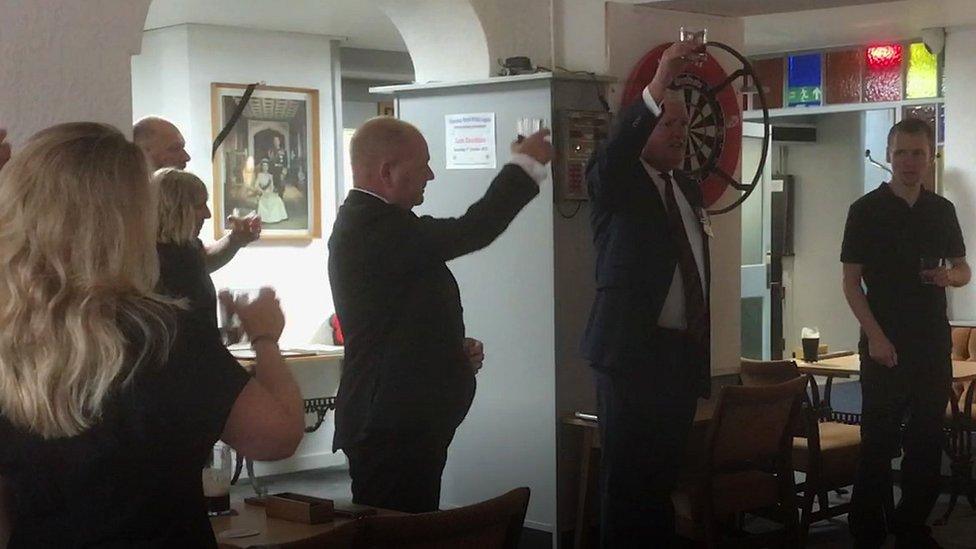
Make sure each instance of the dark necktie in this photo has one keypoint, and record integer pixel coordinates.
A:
(696, 312)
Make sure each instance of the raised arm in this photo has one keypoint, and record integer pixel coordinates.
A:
(243, 232)
(607, 172)
(267, 421)
(414, 240)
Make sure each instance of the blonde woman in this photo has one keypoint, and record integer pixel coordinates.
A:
(109, 406)
(182, 265)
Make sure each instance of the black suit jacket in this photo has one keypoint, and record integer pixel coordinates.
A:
(635, 255)
(405, 375)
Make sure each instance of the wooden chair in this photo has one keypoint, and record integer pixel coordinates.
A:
(747, 466)
(961, 423)
(826, 451)
(340, 537)
(961, 420)
(492, 524)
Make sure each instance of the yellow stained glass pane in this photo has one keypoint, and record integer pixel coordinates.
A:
(923, 73)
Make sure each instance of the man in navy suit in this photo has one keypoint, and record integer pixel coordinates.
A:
(648, 334)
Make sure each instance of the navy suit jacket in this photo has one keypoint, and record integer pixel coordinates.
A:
(635, 255)
(405, 375)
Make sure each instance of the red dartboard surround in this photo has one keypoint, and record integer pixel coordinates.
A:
(715, 120)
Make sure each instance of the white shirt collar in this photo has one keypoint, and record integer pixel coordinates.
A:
(371, 193)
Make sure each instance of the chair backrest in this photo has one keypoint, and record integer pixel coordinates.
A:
(341, 537)
(769, 372)
(752, 424)
(961, 401)
(963, 344)
(758, 373)
(496, 523)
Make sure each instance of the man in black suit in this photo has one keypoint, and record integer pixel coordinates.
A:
(648, 334)
(408, 377)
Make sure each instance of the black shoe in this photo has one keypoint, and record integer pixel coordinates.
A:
(916, 538)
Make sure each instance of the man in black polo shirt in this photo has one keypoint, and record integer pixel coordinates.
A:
(893, 240)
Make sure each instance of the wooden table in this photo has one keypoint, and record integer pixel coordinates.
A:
(590, 462)
(850, 365)
(271, 531)
(292, 357)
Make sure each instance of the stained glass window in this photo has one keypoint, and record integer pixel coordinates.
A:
(804, 80)
(882, 73)
(922, 79)
(770, 72)
(843, 77)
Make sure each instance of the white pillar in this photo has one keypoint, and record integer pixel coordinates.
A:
(960, 141)
(66, 61)
(445, 38)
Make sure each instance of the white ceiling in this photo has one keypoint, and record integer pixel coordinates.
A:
(745, 8)
(770, 25)
(358, 21)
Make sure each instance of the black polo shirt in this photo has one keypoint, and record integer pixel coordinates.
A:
(889, 237)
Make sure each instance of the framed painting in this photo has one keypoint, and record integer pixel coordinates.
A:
(269, 163)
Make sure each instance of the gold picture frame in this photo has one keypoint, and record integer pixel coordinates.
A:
(270, 162)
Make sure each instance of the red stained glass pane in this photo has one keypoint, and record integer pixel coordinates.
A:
(882, 73)
(844, 77)
(770, 72)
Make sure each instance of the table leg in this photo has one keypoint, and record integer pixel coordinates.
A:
(828, 387)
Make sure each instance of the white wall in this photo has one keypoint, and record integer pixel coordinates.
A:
(579, 37)
(631, 32)
(960, 180)
(193, 57)
(160, 79)
(66, 61)
(453, 22)
(358, 105)
(877, 123)
(516, 28)
(828, 179)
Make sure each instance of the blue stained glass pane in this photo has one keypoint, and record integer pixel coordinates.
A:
(804, 79)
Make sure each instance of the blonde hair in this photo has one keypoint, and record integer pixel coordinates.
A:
(78, 269)
(179, 193)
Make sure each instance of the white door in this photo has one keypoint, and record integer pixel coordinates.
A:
(756, 230)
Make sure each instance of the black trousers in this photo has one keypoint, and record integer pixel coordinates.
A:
(400, 476)
(915, 391)
(646, 412)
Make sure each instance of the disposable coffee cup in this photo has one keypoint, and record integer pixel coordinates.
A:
(811, 348)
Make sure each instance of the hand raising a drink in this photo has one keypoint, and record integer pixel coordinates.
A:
(675, 60)
(244, 230)
(260, 317)
(535, 146)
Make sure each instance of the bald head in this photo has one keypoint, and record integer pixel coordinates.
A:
(162, 142)
(390, 158)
